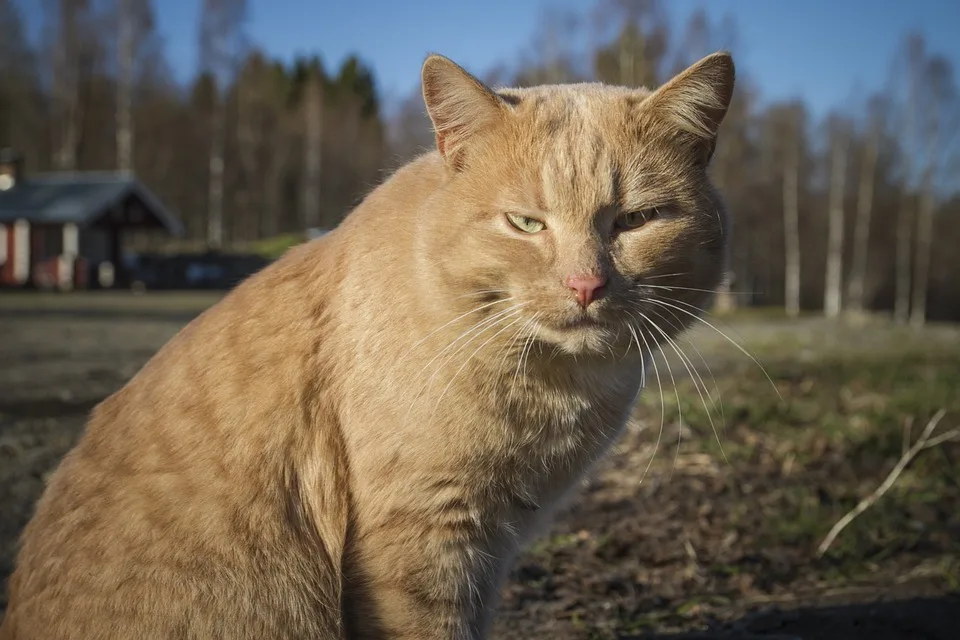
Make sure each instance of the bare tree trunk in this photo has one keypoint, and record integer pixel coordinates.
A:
(925, 211)
(723, 301)
(125, 48)
(861, 233)
(791, 227)
(313, 115)
(921, 265)
(68, 63)
(249, 142)
(832, 286)
(221, 48)
(627, 63)
(901, 305)
(215, 185)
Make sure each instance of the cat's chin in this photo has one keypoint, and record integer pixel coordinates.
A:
(579, 337)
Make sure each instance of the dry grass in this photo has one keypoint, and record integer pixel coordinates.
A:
(703, 539)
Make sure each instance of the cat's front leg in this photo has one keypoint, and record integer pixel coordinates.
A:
(425, 586)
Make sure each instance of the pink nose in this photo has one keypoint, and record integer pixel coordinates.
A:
(587, 288)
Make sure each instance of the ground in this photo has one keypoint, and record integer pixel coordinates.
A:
(697, 541)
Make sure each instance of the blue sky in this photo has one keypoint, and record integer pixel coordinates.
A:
(822, 50)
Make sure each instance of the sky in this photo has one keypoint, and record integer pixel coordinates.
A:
(825, 51)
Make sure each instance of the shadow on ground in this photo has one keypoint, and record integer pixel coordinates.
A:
(918, 619)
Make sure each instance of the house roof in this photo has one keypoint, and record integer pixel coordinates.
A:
(80, 198)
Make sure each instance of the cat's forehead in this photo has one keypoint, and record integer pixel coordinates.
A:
(572, 104)
(581, 142)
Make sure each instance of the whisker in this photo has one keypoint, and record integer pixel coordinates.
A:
(481, 292)
(512, 344)
(444, 326)
(725, 336)
(532, 340)
(676, 288)
(663, 410)
(679, 327)
(475, 352)
(523, 350)
(666, 275)
(482, 325)
(697, 382)
(676, 391)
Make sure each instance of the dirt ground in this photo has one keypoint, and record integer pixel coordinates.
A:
(703, 544)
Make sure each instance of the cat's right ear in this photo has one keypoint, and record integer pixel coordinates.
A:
(459, 105)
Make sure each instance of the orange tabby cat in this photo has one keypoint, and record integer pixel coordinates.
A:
(357, 441)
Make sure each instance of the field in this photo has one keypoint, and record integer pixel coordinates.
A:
(698, 538)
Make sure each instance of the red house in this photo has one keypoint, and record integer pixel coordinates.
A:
(64, 230)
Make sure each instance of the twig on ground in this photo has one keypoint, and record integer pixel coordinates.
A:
(923, 442)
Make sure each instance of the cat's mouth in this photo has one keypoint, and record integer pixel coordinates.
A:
(581, 322)
(577, 334)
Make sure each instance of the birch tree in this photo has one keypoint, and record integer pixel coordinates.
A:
(71, 53)
(19, 92)
(222, 44)
(866, 186)
(312, 148)
(839, 143)
(135, 26)
(635, 57)
(784, 142)
(907, 76)
(938, 123)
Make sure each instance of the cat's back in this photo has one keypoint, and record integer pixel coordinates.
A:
(176, 515)
(173, 517)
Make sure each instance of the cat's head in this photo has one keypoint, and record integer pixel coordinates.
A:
(585, 209)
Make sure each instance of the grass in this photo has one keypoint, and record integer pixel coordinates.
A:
(121, 301)
(273, 248)
(832, 434)
(705, 531)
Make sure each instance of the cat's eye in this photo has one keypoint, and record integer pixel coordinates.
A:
(634, 219)
(525, 224)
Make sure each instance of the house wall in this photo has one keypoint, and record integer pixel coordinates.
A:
(44, 255)
(95, 245)
(15, 255)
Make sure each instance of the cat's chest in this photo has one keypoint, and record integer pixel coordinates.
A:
(549, 436)
(572, 413)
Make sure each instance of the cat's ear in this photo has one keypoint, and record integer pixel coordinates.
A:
(459, 105)
(696, 100)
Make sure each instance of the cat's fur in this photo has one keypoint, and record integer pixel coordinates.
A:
(311, 458)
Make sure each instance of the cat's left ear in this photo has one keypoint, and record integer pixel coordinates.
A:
(696, 100)
(459, 105)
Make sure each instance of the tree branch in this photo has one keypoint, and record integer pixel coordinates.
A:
(923, 442)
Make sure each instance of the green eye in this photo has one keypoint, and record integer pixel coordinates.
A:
(525, 224)
(634, 219)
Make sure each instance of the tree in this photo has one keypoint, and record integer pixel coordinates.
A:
(938, 126)
(73, 52)
(410, 130)
(222, 43)
(785, 128)
(19, 93)
(839, 146)
(873, 136)
(135, 26)
(552, 60)
(636, 56)
(312, 148)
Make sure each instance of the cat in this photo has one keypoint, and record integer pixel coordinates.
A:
(357, 441)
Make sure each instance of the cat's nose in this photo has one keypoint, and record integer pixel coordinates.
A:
(586, 287)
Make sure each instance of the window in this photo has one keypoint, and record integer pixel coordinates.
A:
(51, 241)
